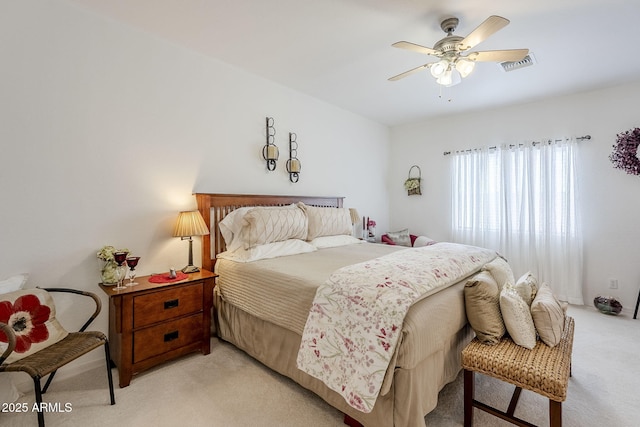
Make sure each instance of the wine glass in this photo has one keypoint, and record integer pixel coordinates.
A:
(120, 258)
(132, 262)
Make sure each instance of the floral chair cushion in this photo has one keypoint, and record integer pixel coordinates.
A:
(32, 315)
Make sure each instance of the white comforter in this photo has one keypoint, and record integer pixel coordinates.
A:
(356, 317)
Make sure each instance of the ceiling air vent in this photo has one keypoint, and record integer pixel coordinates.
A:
(527, 61)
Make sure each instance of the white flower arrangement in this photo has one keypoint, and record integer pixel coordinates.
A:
(412, 184)
(108, 269)
(106, 253)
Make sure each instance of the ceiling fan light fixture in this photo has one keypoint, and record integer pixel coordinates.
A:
(446, 79)
(452, 67)
(465, 67)
(439, 68)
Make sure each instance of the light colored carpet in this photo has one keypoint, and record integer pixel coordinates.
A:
(228, 388)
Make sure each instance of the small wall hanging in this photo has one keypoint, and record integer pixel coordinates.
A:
(412, 184)
(270, 150)
(293, 164)
(625, 152)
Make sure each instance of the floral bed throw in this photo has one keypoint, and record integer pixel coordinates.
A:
(356, 318)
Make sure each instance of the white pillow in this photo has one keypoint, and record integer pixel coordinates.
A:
(269, 225)
(501, 271)
(527, 287)
(270, 250)
(333, 241)
(517, 318)
(548, 316)
(13, 283)
(231, 225)
(325, 221)
(423, 241)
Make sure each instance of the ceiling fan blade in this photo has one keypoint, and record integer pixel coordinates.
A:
(417, 48)
(498, 55)
(408, 73)
(491, 25)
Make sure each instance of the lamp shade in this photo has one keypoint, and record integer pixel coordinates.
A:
(446, 78)
(439, 68)
(190, 223)
(465, 67)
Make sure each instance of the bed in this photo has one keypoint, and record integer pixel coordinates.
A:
(261, 308)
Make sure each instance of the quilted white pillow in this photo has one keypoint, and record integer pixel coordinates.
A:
(264, 225)
(32, 315)
(327, 221)
(231, 225)
(517, 318)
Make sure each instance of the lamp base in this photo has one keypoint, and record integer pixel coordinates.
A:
(190, 269)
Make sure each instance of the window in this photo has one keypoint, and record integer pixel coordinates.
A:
(522, 201)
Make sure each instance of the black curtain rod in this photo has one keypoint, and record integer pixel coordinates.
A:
(580, 138)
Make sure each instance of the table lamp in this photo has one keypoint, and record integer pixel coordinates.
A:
(189, 224)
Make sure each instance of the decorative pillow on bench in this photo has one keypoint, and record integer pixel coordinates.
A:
(501, 271)
(482, 304)
(548, 316)
(517, 317)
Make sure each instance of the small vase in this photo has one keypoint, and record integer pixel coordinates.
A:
(108, 272)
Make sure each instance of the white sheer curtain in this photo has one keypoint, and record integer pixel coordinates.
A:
(522, 201)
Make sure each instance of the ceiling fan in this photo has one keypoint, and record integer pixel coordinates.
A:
(453, 51)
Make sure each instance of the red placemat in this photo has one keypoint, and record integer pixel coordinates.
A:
(164, 277)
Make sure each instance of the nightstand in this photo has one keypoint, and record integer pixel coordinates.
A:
(151, 323)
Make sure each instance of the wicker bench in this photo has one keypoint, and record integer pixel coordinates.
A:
(544, 370)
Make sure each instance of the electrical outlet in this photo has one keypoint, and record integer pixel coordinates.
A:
(613, 283)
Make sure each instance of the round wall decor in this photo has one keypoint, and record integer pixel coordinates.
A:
(625, 152)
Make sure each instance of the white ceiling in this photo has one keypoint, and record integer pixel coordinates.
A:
(340, 50)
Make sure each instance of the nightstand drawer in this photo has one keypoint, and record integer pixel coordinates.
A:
(167, 304)
(165, 337)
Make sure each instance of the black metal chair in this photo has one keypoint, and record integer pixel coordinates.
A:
(49, 359)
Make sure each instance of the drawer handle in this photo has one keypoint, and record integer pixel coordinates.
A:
(171, 304)
(171, 336)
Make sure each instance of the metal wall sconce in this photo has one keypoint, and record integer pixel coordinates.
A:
(270, 150)
(293, 164)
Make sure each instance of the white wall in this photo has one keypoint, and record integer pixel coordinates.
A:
(107, 131)
(610, 199)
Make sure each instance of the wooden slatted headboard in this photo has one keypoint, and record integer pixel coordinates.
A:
(214, 207)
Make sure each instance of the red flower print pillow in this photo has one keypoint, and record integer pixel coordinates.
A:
(32, 315)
